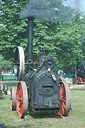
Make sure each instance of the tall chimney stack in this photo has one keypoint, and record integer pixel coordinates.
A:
(30, 39)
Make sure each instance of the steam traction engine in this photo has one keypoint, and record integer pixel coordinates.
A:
(79, 71)
(79, 74)
(42, 90)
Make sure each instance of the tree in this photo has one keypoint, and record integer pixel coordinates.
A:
(13, 32)
(60, 39)
(5, 64)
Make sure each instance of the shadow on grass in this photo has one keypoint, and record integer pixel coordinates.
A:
(39, 115)
(22, 126)
(36, 115)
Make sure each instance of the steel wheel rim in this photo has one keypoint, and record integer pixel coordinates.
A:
(13, 98)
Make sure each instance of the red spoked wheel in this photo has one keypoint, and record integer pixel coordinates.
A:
(65, 98)
(22, 99)
(13, 98)
(79, 80)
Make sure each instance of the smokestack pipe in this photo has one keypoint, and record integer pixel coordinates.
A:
(30, 39)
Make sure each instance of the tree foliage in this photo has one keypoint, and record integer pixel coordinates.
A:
(13, 31)
(5, 64)
(61, 40)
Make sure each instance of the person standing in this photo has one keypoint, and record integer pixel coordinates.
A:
(60, 73)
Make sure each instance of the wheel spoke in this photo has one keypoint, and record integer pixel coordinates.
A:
(62, 109)
(63, 100)
(63, 104)
(20, 104)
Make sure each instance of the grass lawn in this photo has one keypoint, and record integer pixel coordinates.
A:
(75, 119)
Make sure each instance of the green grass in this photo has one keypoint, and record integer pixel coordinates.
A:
(75, 119)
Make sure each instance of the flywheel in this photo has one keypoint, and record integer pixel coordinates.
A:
(19, 63)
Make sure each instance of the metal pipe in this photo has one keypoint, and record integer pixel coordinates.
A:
(30, 39)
